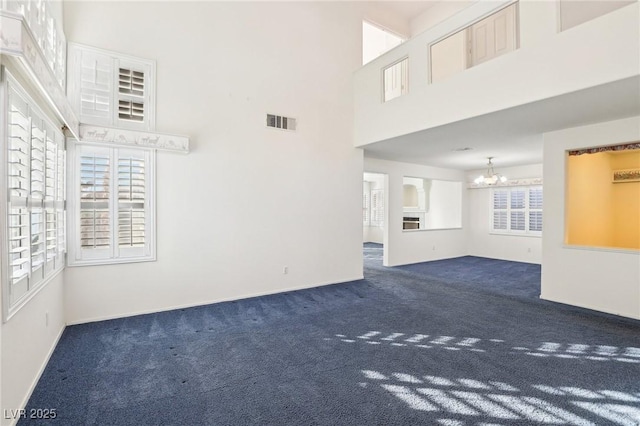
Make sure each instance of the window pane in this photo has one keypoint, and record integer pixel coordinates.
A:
(396, 80)
(517, 198)
(535, 198)
(517, 221)
(94, 206)
(131, 201)
(500, 220)
(500, 199)
(535, 221)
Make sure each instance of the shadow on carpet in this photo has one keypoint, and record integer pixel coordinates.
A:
(404, 346)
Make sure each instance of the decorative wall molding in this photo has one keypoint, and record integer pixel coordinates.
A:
(510, 182)
(133, 138)
(16, 40)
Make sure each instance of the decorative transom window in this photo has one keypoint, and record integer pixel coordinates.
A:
(517, 210)
(111, 89)
(112, 207)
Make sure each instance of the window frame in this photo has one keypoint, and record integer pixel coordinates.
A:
(114, 61)
(77, 256)
(527, 209)
(51, 202)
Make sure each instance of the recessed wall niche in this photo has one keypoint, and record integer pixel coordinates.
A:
(603, 197)
(431, 204)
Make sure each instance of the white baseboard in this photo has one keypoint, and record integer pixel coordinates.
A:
(590, 307)
(35, 381)
(209, 302)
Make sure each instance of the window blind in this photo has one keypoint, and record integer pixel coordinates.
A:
(96, 86)
(18, 171)
(131, 201)
(517, 210)
(35, 207)
(112, 219)
(129, 110)
(95, 220)
(131, 82)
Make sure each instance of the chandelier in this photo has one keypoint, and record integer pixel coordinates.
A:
(490, 177)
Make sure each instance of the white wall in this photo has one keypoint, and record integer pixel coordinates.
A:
(436, 14)
(27, 343)
(416, 246)
(247, 200)
(481, 242)
(546, 65)
(604, 280)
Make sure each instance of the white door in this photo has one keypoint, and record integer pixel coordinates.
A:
(493, 36)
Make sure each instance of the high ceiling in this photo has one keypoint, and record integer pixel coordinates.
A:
(513, 136)
(405, 9)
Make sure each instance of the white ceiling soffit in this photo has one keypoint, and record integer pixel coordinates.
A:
(513, 136)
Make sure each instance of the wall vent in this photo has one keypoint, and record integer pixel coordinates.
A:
(280, 122)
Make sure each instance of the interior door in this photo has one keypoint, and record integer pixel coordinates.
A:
(493, 36)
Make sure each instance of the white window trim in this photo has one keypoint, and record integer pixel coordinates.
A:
(7, 84)
(74, 256)
(509, 231)
(74, 53)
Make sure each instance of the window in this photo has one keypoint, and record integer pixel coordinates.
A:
(377, 208)
(366, 203)
(35, 209)
(376, 41)
(396, 80)
(480, 42)
(573, 13)
(112, 210)
(110, 89)
(517, 210)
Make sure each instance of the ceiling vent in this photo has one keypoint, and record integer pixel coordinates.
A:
(280, 122)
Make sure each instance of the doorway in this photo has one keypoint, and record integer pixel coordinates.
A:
(373, 218)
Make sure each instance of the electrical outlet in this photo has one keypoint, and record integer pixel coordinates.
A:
(434, 247)
(529, 250)
(285, 270)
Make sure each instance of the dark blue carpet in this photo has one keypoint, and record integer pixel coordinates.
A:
(414, 345)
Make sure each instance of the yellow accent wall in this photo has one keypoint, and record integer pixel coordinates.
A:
(626, 202)
(601, 213)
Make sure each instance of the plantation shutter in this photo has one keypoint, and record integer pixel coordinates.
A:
(131, 200)
(517, 204)
(35, 166)
(60, 199)
(38, 157)
(50, 186)
(500, 204)
(131, 93)
(96, 87)
(114, 221)
(535, 209)
(95, 191)
(18, 170)
(377, 207)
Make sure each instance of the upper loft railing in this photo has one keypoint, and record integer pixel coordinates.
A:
(546, 60)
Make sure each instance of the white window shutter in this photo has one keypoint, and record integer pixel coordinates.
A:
(95, 87)
(18, 170)
(95, 191)
(131, 201)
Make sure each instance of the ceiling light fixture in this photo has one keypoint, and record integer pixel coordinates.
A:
(491, 177)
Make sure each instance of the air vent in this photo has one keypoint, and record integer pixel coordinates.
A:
(280, 122)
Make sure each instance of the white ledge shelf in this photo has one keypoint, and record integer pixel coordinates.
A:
(17, 42)
(133, 138)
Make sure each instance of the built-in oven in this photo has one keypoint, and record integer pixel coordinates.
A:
(410, 222)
